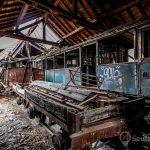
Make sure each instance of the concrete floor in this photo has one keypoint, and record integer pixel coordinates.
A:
(17, 131)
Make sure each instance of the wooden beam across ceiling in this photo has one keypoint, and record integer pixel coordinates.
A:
(30, 25)
(1, 3)
(30, 39)
(18, 48)
(113, 11)
(21, 15)
(73, 32)
(46, 6)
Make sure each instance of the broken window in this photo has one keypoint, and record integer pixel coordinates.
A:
(112, 54)
(72, 59)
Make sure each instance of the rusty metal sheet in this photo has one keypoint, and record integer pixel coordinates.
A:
(118, 77)
(17, 75)
(105, 129)
(38, 74)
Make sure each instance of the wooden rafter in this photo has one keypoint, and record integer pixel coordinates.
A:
(30, 39)
(20, 46)
(73, 32)
(22, 14)
(1, 3)
(61, 12)
(30, 25)
(74, 6)
(113, 11)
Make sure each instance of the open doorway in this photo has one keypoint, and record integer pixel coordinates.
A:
(89, 65)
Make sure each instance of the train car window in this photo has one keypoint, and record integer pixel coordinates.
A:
(49, 64)
(72, 59)
(112, 54)
(146, 35)
(59, 61)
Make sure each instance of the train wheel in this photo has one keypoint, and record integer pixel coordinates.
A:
(42, 117)
(25, 103)
(30, 112)
(57, 141)
(19, 101)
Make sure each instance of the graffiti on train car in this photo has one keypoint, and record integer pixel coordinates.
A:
(145, 79)
(118, 77)
(76, 78)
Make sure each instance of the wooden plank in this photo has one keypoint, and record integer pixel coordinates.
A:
(30, 39)
(22, 14)
(1, 3)
(73, 32)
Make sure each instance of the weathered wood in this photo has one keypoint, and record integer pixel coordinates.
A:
(30, 39)
(63, 13)
(73, 32)
(1, 3)
(30, 25)
(22, 14)
(88, 100)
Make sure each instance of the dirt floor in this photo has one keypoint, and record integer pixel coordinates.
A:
(17, 131)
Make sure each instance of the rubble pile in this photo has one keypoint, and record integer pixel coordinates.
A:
(17, 132)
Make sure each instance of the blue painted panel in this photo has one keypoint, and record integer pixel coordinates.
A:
(76, 77)
(118, 77)
(145, 79)
(49, 75)
(59, 76)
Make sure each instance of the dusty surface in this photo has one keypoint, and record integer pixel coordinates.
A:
(17, 131)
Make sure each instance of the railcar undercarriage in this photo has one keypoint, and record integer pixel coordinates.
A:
(79, 116)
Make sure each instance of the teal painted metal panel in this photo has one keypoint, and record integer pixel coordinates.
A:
(50, 75)
(118, 77)
(145, 79)
(59, 76)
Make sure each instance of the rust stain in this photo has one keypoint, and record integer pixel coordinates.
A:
(103, 130)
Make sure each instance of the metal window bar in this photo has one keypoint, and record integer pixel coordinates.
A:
(84, 78)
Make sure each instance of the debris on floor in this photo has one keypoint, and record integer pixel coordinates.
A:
(17, 131)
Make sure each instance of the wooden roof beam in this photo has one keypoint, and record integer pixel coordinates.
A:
(21, 15)
(30, 25)
(1, 3)
(73, 32)
(74, 7)
(120, 9)
(18, 48)
(46, 7)
(30, 39)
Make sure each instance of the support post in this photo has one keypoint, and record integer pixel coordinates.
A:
(139, 56)
(53, 62)
(97, 53)
(46, 63)
(64, 59)
(80, 57)
(44, 30)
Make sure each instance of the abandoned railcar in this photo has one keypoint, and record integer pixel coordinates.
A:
(93, 82)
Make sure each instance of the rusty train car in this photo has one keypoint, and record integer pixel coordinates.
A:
(91, 91)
